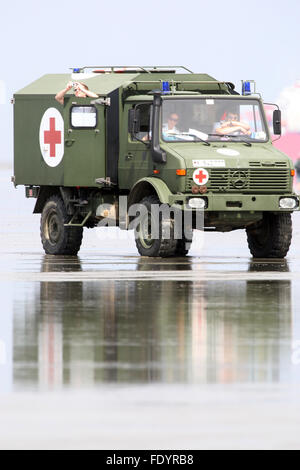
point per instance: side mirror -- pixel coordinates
(277, 122)
(134, 122)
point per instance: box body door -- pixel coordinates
(85, 135)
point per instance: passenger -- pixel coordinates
(232, 125)
(80, 91)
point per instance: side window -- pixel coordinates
(83, 117)
(143, 130)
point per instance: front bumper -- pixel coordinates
(236, 202)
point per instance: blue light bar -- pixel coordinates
(246, 88)
(166, 87)
(76, 70)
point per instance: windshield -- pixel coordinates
(212, 120)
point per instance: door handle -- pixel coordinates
(69, 142)
(129, 156)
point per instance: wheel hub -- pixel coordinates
(145, 232)
(53, 228)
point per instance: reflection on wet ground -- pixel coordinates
(87, 333)
(90, 267)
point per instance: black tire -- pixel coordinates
(183, 246)
(271, 237)
(56, 238)
(165, 245)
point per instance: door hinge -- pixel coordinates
(13, 101)
(106, 182)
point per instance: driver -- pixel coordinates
(169, 127)
(231, 125)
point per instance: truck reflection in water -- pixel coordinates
(82, 334)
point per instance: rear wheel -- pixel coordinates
(164, 244)
(271, 237)
(56, 238)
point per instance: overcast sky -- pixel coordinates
(230, 40)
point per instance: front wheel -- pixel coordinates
(184, 244)
(271, 237)
(163, 243)
(56, 238)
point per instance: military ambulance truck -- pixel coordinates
(155, 137)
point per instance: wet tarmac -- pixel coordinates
(111, 350)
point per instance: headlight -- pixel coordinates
(197, 203)
(288, 203)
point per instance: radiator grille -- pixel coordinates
(245, 180)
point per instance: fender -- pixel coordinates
(46, 191)
(147, 186)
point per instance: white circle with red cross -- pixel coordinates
(200, 176)
(52, 137)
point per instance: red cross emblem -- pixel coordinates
(200, 176)
(52, 137)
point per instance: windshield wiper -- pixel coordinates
(192, 135)
(246, 142)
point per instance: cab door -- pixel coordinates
(84, 158)
(135, 156)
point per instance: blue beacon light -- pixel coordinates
(247, 88)
(166, 87)
(76, 70)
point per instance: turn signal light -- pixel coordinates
(293, 172)
(181, 172)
